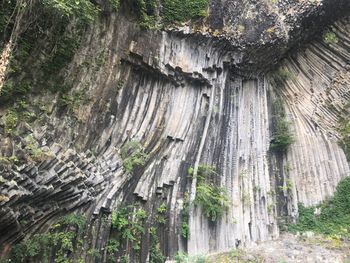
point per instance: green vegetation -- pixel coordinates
(57, 243)
(185, 217)
(330, 37)
(344, 141)
(172, 11)
(175, 11)
(50, 27)
(287, 187)
(115, 4)
(73, 101)
(53, 37)
(234, 256)
(281, 75)
(32, 148)
(184, 258)
(161, 212)
(133, 155)
(11, 121)
(129, 223)
(213, 199)
(282, 138)
(156, 255)
(112, 248)
(82, 9)
(334, 218)
(11, 91)
(8, 161)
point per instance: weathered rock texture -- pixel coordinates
(179, 94)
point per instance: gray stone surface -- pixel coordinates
(189, 98)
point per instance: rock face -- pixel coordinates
(198, 94)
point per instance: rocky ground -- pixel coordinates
(291, 249)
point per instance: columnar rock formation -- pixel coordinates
(188, 98)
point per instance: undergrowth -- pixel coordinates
(334, 218)
(330, 37)
(344, 141)
(170, 11)
(128, 221)
(185, 258)
(62, 239)
(133, 155)
(129, 228)
(213, 199)
(282, 137)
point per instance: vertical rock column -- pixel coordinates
(240, 119)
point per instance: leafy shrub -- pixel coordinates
(282, 138)
(112, 248)
(129, 223)
(175, 11)
(11, 91)
(133, 155)
(281, 75)
(334, 218)
(115, 4)
(171, 11)
(185, 230)
(185, 216)
(161, 212)
(57, 243)
(213, 199)
(330, 37)
(11, 121)
(344, 141)
(83, 9)
(156, 254)
(184, 258)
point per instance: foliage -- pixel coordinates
(25, 74)
(175, 11)
(129, 223)
(185, 216)
(73, 101)
(11, 121)
(77, 220)
(344, 141)
(125, 259)
(330, 37)
(282, 138)
(115, 4)
(65, 48)
(161, 211)
(334, 218)
(213, 199)
(6, 10)
(56, 243)
(10, 91)
(204, 171)
(32, 147)
(112, 248)
(282, 75)
(172, 11)
(156, 254)
(133, 155)
(184, 258)
(287, 187)
(46, 46)
(82, 9)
